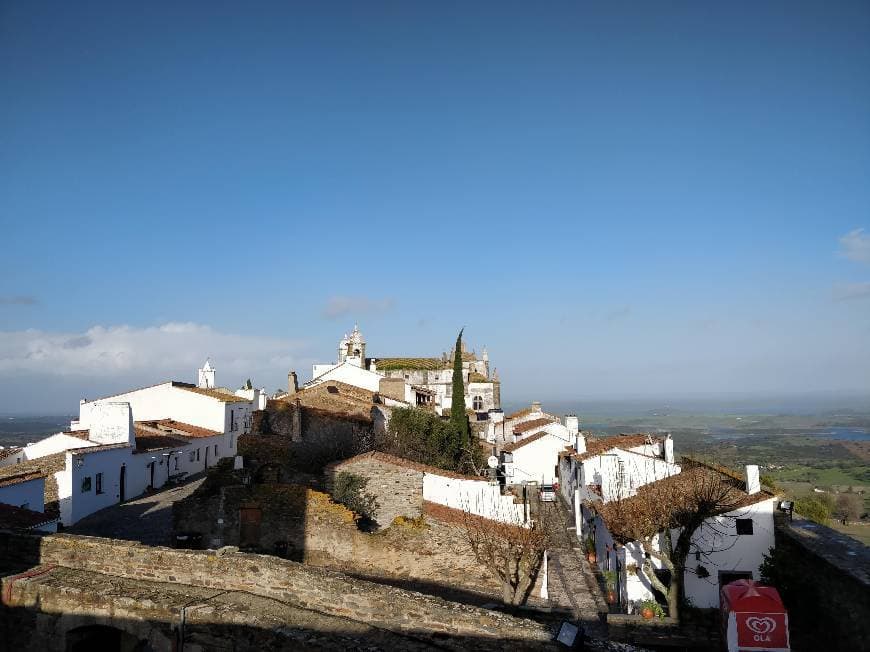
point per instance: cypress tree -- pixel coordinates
(458, 418)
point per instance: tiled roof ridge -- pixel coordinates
(509, 448)
(24, 476)
(525, 426)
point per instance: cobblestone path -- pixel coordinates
(572, 583)
(146, 519)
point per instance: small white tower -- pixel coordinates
(206, 375)
(355, 348)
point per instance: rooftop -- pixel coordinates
(509, 448)
(12, 517)
(412, 364)
(19, 475)
(599, 446)
(526, 426)
(219, 394)
(671, 500)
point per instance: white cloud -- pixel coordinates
(855, 245)
(18, 300)
(341, 306)
(848, 291)
(170, 351)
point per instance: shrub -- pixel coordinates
(816, 508)
(349, 490)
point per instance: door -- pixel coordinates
(149, 475)
(123, 483)
(206, 457)
(249, 527)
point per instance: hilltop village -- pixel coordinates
(387, 503)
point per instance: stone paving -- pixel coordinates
(146, 519)
(571, 583)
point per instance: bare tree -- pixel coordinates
(849, 507)
(513, 552)
(677, 506)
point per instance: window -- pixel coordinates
(192, 456)
(477, 403)
(232, 419)
(197, 454)
(744, 526)
(86, 484)
(215, 450)
(99, 483)
(176, 462)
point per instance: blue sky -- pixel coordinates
(645, 199)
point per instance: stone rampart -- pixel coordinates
(292, 583)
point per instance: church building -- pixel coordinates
(430, 378)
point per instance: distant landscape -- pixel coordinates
(829, 450)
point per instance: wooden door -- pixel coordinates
(249, 527)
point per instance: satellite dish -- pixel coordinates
(492, 461)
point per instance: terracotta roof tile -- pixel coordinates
(6, 452)
(21, 476)
(598, 446)
(21, 518)
(216, 394)
(666, 500)
(532, 425)
(509, 448)
(186, 429)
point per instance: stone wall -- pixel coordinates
(823, 577)
(397, 489)
(317, 531)
(289, 582)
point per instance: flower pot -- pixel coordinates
(611, 596)
(647, 613)
(591, 557)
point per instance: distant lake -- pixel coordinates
(837, 434)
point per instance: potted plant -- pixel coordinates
(610, 578)
(649, 608)
(589, 545)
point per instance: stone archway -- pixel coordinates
(99, 638)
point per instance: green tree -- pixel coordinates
(816, 507)
(458, 417)
(349, 490)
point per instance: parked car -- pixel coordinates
(548, 493)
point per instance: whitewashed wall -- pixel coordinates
(734, 552)
(352, 375)
(48, 446)
(168, 402)
(30, 494)
(536, 461)
(639, 470)
(75, 504)
(724, 550)
(474, 496)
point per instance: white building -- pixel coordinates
(533, 446)
(433, 377)
(22, 503)
(726, 547)
(180, 429)
(613, 467)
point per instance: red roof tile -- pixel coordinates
(532, 425)
(18, 478)
(20, 518)
(509, 448)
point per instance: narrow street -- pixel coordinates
(572, 584)
(146, 519)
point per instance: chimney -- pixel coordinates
(373, 365)
(669, 449)
(753, 483)
(572, 423)
(292, 383)
(536, 406)
(580, 443)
